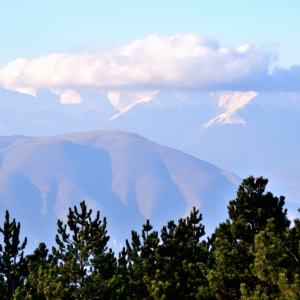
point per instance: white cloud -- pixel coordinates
(156, 62)
(67, 96)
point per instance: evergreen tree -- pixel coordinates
(252, 255)
(142, 260)
(272, 260)
(37, 263)
(183, 266)
(289, 282)
(12, 263)
(84, 264)
(121, 285)
(234, 240)
(172, 269)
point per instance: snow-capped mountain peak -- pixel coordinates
(230, 102)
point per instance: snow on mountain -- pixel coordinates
(45, 114)
(243, 132)
(231, 102)
(266, 139)
(127, 177)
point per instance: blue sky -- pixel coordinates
(30, 29)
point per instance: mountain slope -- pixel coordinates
(125, 176)
(243, 132)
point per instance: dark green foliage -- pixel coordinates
(234, 245)
(142, 256)
(173, 267)
(81, 265)
(185, 260)
(289, 277)
(252, 255)
(269, 261)
(37, 262)
(252, 208)
(12, 263)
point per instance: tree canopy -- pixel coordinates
(254, 254)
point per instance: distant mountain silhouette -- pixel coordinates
(247, 133)
(125, 176)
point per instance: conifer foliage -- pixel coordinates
(12, 263)
(234, 246)
(37, 262)
(254, 254)
(84, 265)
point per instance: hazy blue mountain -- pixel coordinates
(242, 132)
(44, 115)
(127, 177)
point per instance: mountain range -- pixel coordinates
(125, 176)
(242, 132)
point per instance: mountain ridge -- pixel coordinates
(125, 176)
(242, 132)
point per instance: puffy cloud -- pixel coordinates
(182, 62)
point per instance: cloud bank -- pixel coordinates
(185, 61)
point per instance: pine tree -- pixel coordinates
(136, 264)
(84, 264)
(183, 258)
(37, 263)
(142, 260)
(12, 263)
(174, 268)
(289, 282)
(121, 286)
(272, 260)
(234, 240)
